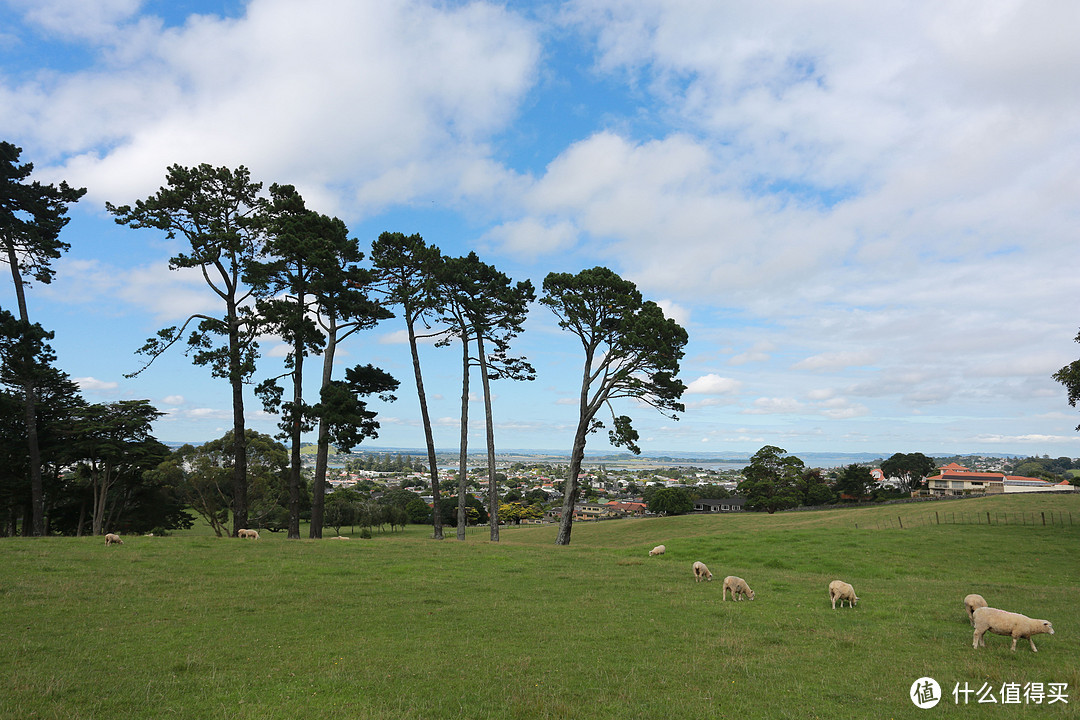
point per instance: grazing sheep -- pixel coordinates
(840, 590)
(245, 533)
(738, 587)
(701, 572)
(658, 550)
(1001, 622)
(971, 603)
(339, 537)
(111, 538)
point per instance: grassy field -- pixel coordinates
(401, 626)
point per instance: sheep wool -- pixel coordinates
(738, 587)
(971, 603)
(1001, 622)
(840, 590)
(658, 550)
(701, 572)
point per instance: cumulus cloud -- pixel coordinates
(93, 385)
(713, 384)
(250, 90)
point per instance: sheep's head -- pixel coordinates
(855, 601)
(1047, 628)
(751, 595)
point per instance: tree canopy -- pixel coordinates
(631, 352)
(769, 481)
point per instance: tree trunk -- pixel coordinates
(37, 493)
(489, 425)
(570, 495)
(463, 437)
(236, 379)
(436, 517)
(298, 400)
(577, 455)
(322, 452)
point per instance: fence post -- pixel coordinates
(900, 521)
(1043, 513)
(937, 518)
(987, 517)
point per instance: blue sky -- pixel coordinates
(865, 214)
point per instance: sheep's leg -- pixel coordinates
(834, 602)
(977, 639)
(1015, 638)
(1033, 648)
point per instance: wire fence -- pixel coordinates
(1043, 518)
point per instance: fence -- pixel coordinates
(1046, 518)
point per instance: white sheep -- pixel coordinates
(340, 537)
(245, 533)
(111, 538)
(971, 603)
(1001, 622)
(738, 587)
(658, 550)
(840, 590)
(701, 572)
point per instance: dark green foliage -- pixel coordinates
(770, 479)
(114, 449)
(31, 218)
(217, 211)
(631, 352)
(398, 497)
(406, 269)
(910, 468)
(671, 501)
(418, 511)
(854, 481)
(475, 511)
(812, 489)
(204, 478)
(1069, 376)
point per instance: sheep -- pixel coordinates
(701, 572)
(1001, 622)
(738, 587)
(111, 538)
(658, 550)
(245, 533)
(971, 603)
(340, 537)
(840, 590)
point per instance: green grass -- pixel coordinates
(194, 626)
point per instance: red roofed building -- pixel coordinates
(955, 479)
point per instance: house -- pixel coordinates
(592, 511)
(955, 479)
(627, 508)
(704, 505)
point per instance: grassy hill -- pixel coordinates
(192, 626)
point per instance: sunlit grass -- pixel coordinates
(194, 626)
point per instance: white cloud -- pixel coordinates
(833, 361)
(758, 353)
(773, 406)
(79, 18)
(173, 400)
(387, 85)
(90, 384)
(713, 384)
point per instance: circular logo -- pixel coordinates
(925, 693)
